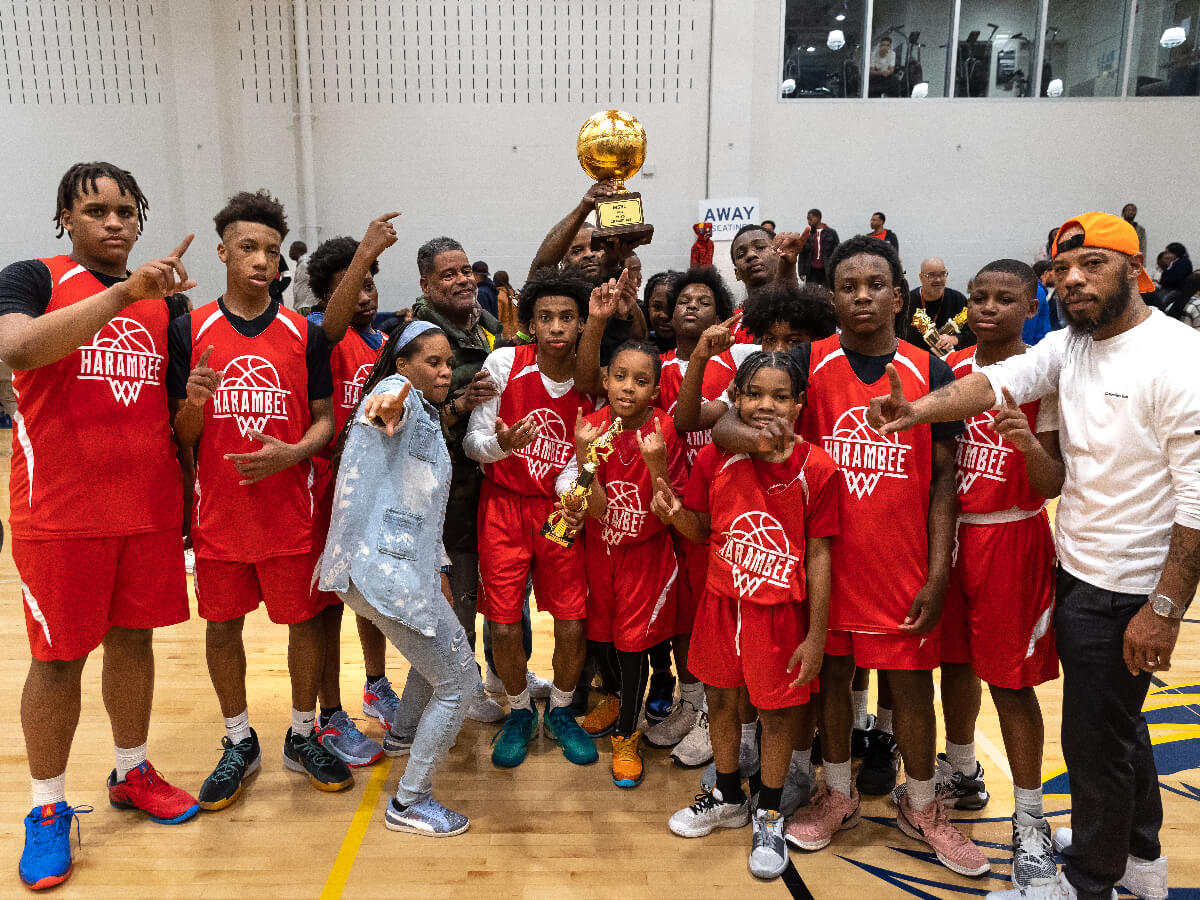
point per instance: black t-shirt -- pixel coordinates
(25, 288)
(870, 369)
(179, 352)
(951, 304)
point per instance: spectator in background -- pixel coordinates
(1129, 214)
(506, 305)
(396, 320)
(485, 292)
(878, 231)
(1176, 266)
(1043, 252)
(768, 225)
(300, 297)
(940, 303)
(1046, 289)
(658, 316)
(882, 81)
(1039, 325)
(819, 243)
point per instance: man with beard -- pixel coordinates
(1128, 534)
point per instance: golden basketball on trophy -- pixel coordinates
(612, 145)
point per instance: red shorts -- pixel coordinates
(75, 589)
(906, 652)
(511, 548)
(693, 561)
(631, 591)
(751, 647)
(999, 612)
(323, 485)
(228, 590)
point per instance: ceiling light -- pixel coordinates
(840, 17)
(788, 86)
(836, 40)
(1173, 37)
(811, 49)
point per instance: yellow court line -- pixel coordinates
(335, 884)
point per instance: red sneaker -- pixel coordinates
(144, 789)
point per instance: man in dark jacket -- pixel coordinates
(486, 295)
(819, 243)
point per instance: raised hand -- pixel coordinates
(160, 277)
(779, 434)
(1010, 423)
(202, 381)
(380, 235)
(274, 456)
(518, 436)
(479, 389)
(652, 447)
(604, 300)
(787, 245)
(585, 434)
(626, 292)
(387, 409)
(664, 503)
(601, 190)
(716, 339)
(892, 412)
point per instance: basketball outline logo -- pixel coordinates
(550, 449)
(862, 454)
(625, 500)
(250, 394)
(981, 453)
(757, 550)
(352, 389)
(123, 354)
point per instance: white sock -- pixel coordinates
(920, 793)
(1028, 801)
(128, 759)
(883, 719)
(560, 698)
(238, 728)
(802, 759)
(837, 777)
(861, 716)
(48, 791)
(520, 701)
(962, 758)
(302, 722)
(693, 693)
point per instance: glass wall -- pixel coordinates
(822, 48)
(909, 40)
(1166, 54)
(997, 48)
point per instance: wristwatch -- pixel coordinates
(1164, 606)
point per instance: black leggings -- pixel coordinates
(635, 670)
(604, 659)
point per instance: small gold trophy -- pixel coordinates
(612, 144)
(931, 333)
(555, 528)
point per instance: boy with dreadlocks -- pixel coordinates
(85, 335)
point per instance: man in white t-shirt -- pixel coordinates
(1127, 534)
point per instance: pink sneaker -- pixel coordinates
(931, 825)
(813, 826)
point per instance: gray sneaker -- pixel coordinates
(1032, 851)
(768, 851)
(426, 817)
(797, 788)
(341, 737)
(396, 744)
(380, 702)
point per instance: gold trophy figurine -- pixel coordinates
(612, 144)
(555, 527)
(931, 333)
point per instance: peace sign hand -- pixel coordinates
(387, 410)
(892, 413)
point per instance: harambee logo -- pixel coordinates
(123, 354)
(625, 515)
(250, 394)
(694, 442)
(863, 454)
(550, 449)
(757, 550)
(352, 389)
(981, 453)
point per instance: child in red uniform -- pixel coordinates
(998, 620)
(632, 573)
(771, 515)
(522, 437)
(268, 387)
(94, 498)
(885, 605)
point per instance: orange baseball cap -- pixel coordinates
(1108, 232)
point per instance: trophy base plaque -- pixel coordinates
(620, 218)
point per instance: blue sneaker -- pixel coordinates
(341, 737)
(425, 817)
(577, 745)
(511, 742)
(46, 859)
(380, 702)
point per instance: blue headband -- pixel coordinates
(412, 331)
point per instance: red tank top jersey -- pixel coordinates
(989, 471)
(532, 470)
(92, 451)
(761, 514)
(264, 389)
(718, 375)
(881, 557)
(626, 479)
(351, 362)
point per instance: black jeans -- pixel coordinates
(1116, 810)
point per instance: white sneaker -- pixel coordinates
(674, 728)
(1032, 854)
(695, 750)
(1143, 878)
(797, 789)
(189, 561)
(483, 708)
(492, 683)
(768, 853)
(539, 688)
(1058, 889)
(707, 814)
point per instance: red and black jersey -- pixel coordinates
(718, 375)
(351, 362)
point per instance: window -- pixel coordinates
(822, 48)
(997, 46)
(1166, 54)
(1085, 48)
(913, 35)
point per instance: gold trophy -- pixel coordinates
(555, 527)
(612, 144)
(931, 333)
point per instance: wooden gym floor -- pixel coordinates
(547, 829)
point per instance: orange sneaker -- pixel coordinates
(627, 767)
(603, 717)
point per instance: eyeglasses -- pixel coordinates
(934, 276)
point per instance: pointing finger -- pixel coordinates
(894, 378)
(183, 245)
(1008, 399)
(203, 361)
(388, 217)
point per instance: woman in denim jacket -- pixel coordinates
(384, 555)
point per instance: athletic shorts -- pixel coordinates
(323, 485)
(750, 647)
(906, 652)
(75, 589)
(632, 591)
(228, 590)
(511, 549)
(693, 563)
(999, 612)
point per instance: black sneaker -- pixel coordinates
(959, 791)
(878, 773)
(324, 770)
(238, 762)
(858, 739)
(661, 698)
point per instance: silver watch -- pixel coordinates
(1166, 607)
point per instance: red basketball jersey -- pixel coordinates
(990, 471)
(718, 375)
(533, 469)
(264, 389)
(626, 479)
(881, 556)
(761, 514)
(92, 449)
(351, 362)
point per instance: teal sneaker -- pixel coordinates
(577, 745)
(510, 743)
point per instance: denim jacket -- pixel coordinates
(388, 509)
